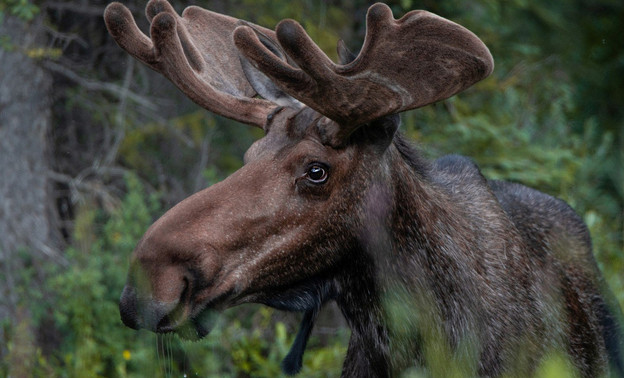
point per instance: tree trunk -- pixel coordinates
(26, 204)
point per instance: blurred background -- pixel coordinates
(94, 146)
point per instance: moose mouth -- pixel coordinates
(187, 322)
(193, 329)
(146, 313)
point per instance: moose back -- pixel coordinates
(333, 204)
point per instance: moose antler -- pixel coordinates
(196, 53)
(404, 64)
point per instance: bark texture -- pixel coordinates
(26, 203)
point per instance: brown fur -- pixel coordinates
(431, 264)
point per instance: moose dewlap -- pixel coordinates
(333, 204)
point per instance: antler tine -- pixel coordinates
(124, 30)
(248, 42)
(404, 64)
(196, 53)
(302, 49)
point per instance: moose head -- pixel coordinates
(332, 203)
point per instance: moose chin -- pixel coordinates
(334, 204)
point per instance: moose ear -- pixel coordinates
(259, 81)
(378, 133)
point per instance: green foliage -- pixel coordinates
(23, 9)
(557, 366)
(257, 352)
(177, 145)
(94, 340)
(323, 23)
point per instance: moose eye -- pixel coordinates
(317, 174)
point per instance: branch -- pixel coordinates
(67, 38)
(203, 162)
(89, 10)
(93, 85)
(119, 119)
(52, 253)
(78, 183)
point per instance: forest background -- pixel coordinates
(94, 146)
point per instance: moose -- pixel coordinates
(334, 204)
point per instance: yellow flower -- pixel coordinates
(116, 237)
(126, 355)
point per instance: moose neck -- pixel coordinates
(402, 244)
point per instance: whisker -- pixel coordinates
(170, 354)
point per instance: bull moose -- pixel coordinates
(334, 204)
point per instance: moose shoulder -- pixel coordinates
(334, 204)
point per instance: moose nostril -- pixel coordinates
(128, 308)
(147, 313)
